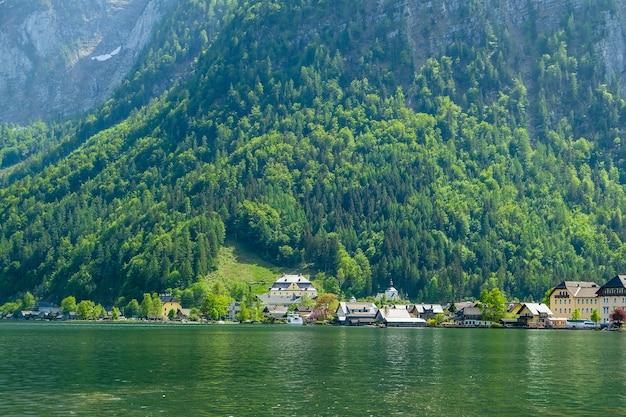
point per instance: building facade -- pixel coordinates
(571, 295)
(293, 286)
(612, 295)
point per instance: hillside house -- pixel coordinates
(294, 286)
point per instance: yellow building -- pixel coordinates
(170, 303)
(293, 286)
(535, 314)
(571, 295)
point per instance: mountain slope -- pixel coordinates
(370, 141)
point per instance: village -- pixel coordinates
(572, 304)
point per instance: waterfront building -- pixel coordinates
(398, 316)
(611, 295)
(571, 295)
(356, 313)
(534, 315)
(170, 303)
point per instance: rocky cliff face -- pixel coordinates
(59, 58)
(434, 24)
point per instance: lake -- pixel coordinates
(107, 369)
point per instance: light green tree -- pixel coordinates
(146, 306)
(132, 309)
(28, 302)
(215, 306)
(157, 306)
(244, 314)
(115, 313)
(595, 316)
(546, 297)
(492, 304)
(576, 314)
(68, 304)
(85, 310)
(99, 311)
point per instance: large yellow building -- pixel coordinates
(571, 295)
(293, 286)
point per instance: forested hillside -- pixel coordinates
(319, 134)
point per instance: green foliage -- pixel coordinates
(11, 307)
(86, 310)
(576, 314)
(28, 302)
(595, 316)
(132, 309)
(339, 152)
(68, 304)
(325, 307)
(215, 306)
(492, 304)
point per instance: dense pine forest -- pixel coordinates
(318, 134)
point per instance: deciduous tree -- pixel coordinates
(618, 316)
(68, 304)
(595, 316)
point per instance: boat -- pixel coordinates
(294, 319)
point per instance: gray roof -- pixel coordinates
(537, 308)
(422, 308)
(617, 281)
(279, 299)
(579, 289)
(286, 280)
(470, 311)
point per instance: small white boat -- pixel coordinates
(294, 319)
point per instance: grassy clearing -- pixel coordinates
(238, 263)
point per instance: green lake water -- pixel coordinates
(65, 369)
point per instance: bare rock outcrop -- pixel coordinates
(59, 58)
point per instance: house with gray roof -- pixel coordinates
(293, 285)
(356, 313)
(534, 315)
(425, 311)
(398, 316)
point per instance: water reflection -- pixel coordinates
(131, 370)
